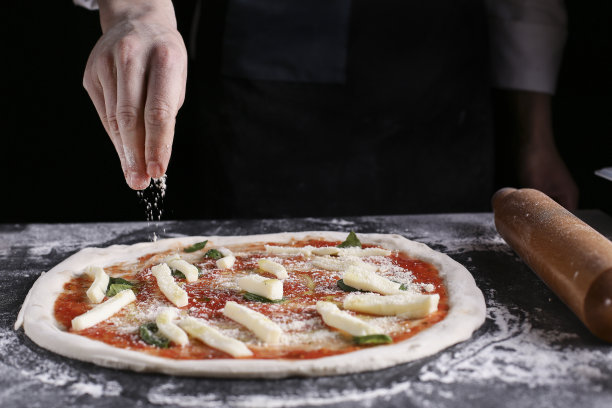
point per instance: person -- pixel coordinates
(335, 107)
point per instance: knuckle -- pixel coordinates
(87, 83)
(127, 118)
(165, 55)
(104, 64)
(126, 50)
(158, 115)
(113, 125)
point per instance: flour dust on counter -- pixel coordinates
(23, 369)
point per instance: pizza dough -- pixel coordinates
(466, 313)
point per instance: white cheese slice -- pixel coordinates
(226, 262)
(340, 263)
(214, 338)
(264, 328)
(225, 251)
(409, 305)
(331, 250)
(274, 268)
(104, 310)
(334, 317)
(362, 252)
(262, 286)
(173, 292)
(328, 263)
(171, 258)
(364, 279)
(167, 328)
(97, 290)
(281, 250)
(190, 271)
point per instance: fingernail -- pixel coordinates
(154, 169)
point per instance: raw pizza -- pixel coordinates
(309, 303)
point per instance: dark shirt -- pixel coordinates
(343, 108)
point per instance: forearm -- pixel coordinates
(531, 116)
(114, 11)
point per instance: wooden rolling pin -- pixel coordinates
(573, 259)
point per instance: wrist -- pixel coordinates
(113, 12)
(531, 118)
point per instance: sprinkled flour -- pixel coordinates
(153, 198)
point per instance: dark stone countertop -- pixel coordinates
(531, 352)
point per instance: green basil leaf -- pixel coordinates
(116, 285)
(372, 339)
(116, 288)
(148, 334)
(196, 246)
(403, 287)
(121, 281)
(213, 253)
(350, 241)
(256, 298)
(346, 287)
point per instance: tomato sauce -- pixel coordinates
(207, 298)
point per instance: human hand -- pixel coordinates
(136, 76)
(525, 122)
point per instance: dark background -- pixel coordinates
(58, 165)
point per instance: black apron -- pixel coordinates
(339, 107)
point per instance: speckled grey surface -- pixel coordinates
(531, 352)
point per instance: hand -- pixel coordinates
(136, 76)
(527, 123)
(543, 168)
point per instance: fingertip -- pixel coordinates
(137, 181)
(155, 169)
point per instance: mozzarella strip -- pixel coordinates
(328, 263)
(281, 250)
(334, 317)
(225, 251)
(274, 268)
(190, 271)
(97, 290)
(364, 279)
(167, 328)
(226, 262)
(340, 264)
(331, 250)
(104, 310)
(214, 338)
(361, 252)
(173, 292)
(262, 286)
(264, 328)
(410, 305)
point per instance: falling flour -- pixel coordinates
(152, 199)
